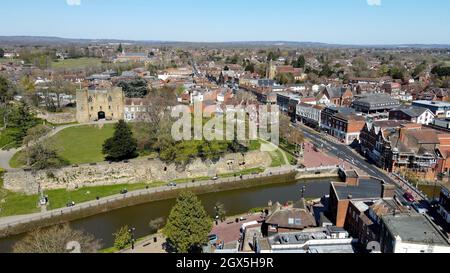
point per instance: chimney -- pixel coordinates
(388, 190)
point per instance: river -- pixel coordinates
(236, 202)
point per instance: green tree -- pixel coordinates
(122, 145)
(188, 224)
(136, 88)
(2, 53)
(120, 48)
(122, 238)
(6, 93)
(300, 63)
(21, 119)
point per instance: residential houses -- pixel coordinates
(337, 96)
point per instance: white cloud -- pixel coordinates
(73, 2)
(374, 2)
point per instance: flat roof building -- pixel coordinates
(412, 233)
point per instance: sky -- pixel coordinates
(327, 21)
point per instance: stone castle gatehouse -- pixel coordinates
(94, 105)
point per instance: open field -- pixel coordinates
(82, 144)
(80, 63)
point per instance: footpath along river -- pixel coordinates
(236, 202)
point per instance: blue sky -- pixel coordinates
(330, 21)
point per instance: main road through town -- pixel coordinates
(345, 153)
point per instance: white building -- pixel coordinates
(135, 109)
(309, 114)
(411, 233)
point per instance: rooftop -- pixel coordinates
(367, 188)
(415, 228)
(431, 103)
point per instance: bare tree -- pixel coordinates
(57, 239)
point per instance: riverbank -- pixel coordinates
(23, 224)
(103, 226)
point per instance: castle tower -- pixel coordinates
(94, 105)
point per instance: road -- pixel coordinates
(347, 154)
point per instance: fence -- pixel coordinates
(318, 169)
(138, 193)
(409, 186)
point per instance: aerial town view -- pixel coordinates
(224, 127)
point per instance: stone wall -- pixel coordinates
(58, 118)
(136, 171)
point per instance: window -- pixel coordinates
(90, 99)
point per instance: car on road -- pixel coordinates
(419, 208)
(71, 204)
(215, 178)
(124, 191)
(409, 197)
(172, 184)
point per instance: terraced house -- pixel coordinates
(342, 123)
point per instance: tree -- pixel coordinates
(291, 134)
(35, 133)
(2, 53)
(122, 145)
(188, 224)
(397, 73)
(120, 48)
(300, 63)
(220, 211)
(56, 240)
(58, 86)
(6, 92)
(122, 238)
(136, 88)
(441, 71)
(43, 156)
(156, 224)
(21, 119)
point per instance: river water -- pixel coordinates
(236, 202)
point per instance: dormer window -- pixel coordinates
(90, 99)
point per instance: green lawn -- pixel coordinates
(14, 203)
(244, 172)
(60, 198)
(6, 138)
(80, 63)
(82, 144)
(254, 145)
(277, 159)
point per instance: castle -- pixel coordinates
(94, 105)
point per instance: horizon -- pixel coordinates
(219, 42)
(349, 22)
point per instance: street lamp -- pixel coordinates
(132, 231)
(303, 190)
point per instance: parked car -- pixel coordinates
(124, 191)
(172, 184)
(215, 178)
(409, 197)
(71, 204)
(213, 238)
(419, 208)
